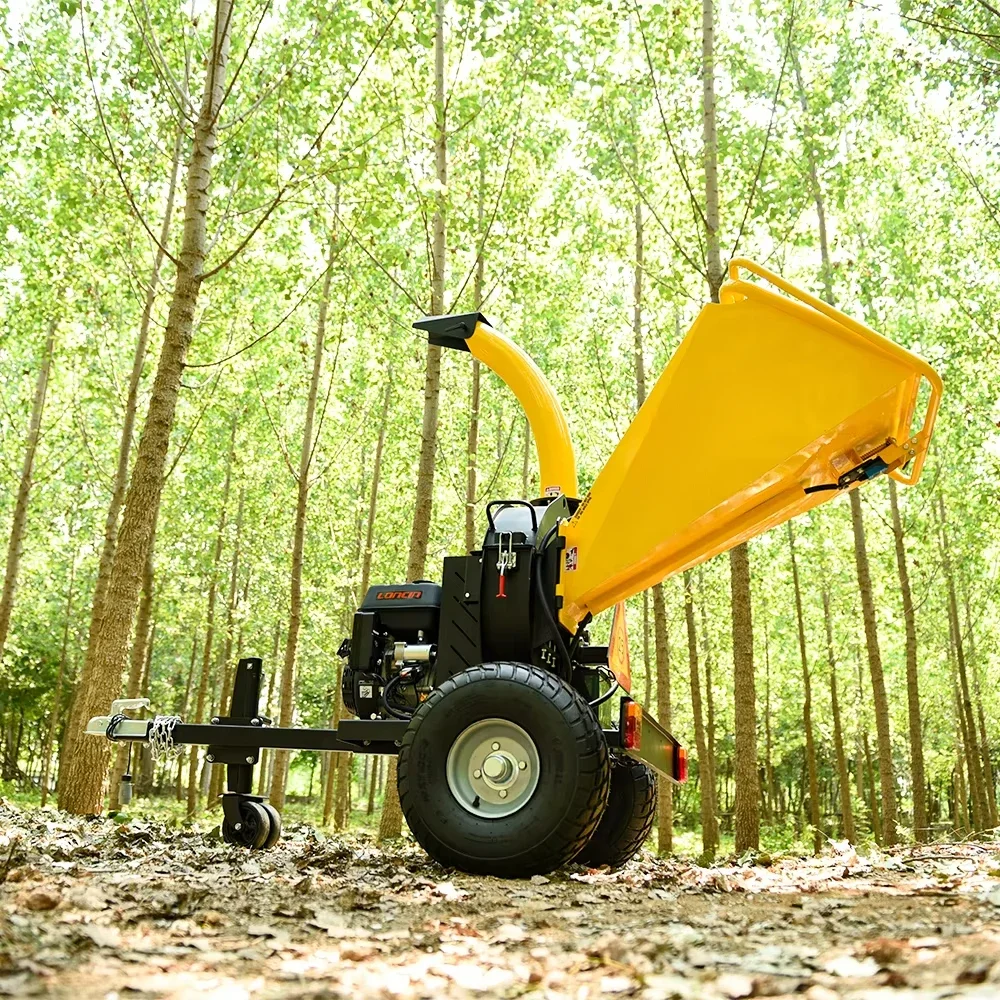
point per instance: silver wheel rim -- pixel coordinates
(493, 768)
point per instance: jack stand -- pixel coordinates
(248, 820)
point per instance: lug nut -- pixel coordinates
(496, 746)
(523, 765)
(503, 793)
(477, 773)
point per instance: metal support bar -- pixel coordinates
(353, 736)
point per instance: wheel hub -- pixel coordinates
(493, 768)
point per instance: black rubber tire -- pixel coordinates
(565, 808)
(275, 833)
(255, 827)
(628, 818)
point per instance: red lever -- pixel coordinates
(502, 592)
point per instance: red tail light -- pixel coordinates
(681, 769)
(632, 736)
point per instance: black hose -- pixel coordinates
(550, 615)
(607, 694)
(395, 712)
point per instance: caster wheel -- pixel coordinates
(503, 771)
(254, 827)
(275, 819)
(628, 818)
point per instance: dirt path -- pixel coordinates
(94, 909)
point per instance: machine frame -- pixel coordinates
(825, 404)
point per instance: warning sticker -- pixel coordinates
(553, 491)
(572, 557)
(619, 657)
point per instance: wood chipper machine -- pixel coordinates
(486, 684)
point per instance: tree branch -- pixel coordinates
(111, 148)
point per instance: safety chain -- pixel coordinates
(161, 736)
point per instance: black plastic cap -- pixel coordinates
(451, 331)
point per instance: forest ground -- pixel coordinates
(96, 908)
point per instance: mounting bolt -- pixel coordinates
(210, 757)
(250, 760)
(237, 826)
(496, 746)
(215, 720)
(467, 594)
(522, 764)
(255, 721)
(503, 793)
(477, 773)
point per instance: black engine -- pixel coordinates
(392, 650)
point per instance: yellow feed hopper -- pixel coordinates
(770, 406)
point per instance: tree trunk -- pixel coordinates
(746, 806)
(182, 712)
(881, 702)
(206, 656)
(263, 777)
(420, 532)
(120, 481)
(136, 661)
(709, 836)
(768, 763)
(976, 803)
(287, 689)
(817, 191)
(343, 771)
(873, 804)
(647, 665)
(846, 810)
(984, 742)
(366, 564)
(225, 668)
(980, 807)
(144, 784)
(921, 830)
(526, 461)
(665, 796)
(710, 150)
(15, 543)
(814, 813)
(391, 821)
(86, 775)
(50, 735)
(472, 443)
(710, 743)
(375, 766)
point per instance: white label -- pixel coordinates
(553, 491)
(571, 558)
(366, 691)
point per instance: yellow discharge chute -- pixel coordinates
(767, 409)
